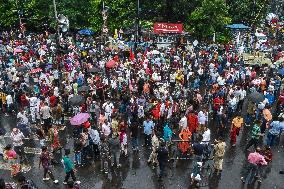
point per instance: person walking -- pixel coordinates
(237, 123)
(134, 136)
(123, 142)
(255, 159)
(68, 167)
(45, 161)
(153, 156)
(162, 156)
(219, 152)
(148, 125)
(255, 135)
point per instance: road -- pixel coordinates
(135, 173)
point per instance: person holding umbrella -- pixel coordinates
(255, 160)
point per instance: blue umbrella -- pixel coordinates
(86, 32)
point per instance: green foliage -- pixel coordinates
(210, 17)
(250, 12)
(200, 17)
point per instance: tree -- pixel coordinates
(249, 12)
(208, 18)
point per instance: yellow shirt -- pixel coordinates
(237, 122)
(3, 97)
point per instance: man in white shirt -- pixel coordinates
(33, 108)
(108, 107)
(183, 123)
(17, 137)
(206, 136)
(9, 101)
(23, 118)
(45, 112)
(106, 128)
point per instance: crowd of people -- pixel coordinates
(163, 97)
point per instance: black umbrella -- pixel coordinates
(76, 100)
(83, 89)
(94, 70)
(256, 97)
(22, 69)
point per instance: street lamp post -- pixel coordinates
(137, 26)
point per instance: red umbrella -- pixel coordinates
(111, 64)
(35, 70)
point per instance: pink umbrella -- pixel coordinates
(18, 51)
(79, 119)
(111, 64)
(256, 159)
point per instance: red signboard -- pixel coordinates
(167, 28)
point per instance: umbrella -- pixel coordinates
(86, 32)
(36, 70)
(76, 100)
(256, 97)
(18, 51)
(256, 159)
(22, 68)
(155, 52)
(83, 89)
(79, 119)
(110, 64)
(94, 70)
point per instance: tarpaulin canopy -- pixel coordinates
(237, 26)
(86, 32)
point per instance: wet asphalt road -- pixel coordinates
(135, 173)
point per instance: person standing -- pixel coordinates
(45, 112)
(275, 128)
(45, 161)
(148, 125)
(68, 167)
(255, 134)
(219, 152)
(162, 156)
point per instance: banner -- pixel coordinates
(167, 28)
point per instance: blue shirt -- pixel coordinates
(276, 127)
(148, 126)
(167, 133)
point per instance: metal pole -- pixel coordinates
(19, 15)
(137, 26)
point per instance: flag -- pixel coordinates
(116, 58)
(131, 55)
(145, 53)
(115, 34)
